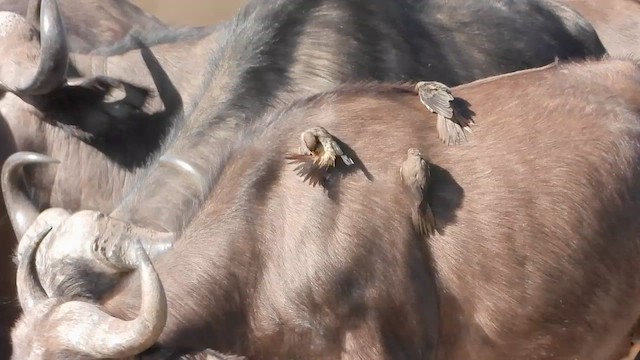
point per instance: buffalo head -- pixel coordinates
(33, 63)
(81, 247)
(68, 323)
(36, 83)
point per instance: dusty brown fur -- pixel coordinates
(537, 218)
(252, 66)
(320, 61)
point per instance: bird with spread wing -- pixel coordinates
(437, 98)
(318, 153)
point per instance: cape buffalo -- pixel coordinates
(534, 256)
(106, 130)
(89, 24)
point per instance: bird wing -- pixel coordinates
(413, 181)
(425, 173)
(345, 158)
(412, 174)
(423, 219)
(422, 215)
(417, 190)
(450, 131)
(437, 101)
(338, 150)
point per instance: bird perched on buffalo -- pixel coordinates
(318, 153)
(416, 175)
(437, 97)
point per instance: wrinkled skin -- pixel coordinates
(534, 256)
(616, 23)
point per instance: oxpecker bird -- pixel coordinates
(415, 175)
(437, 98)
(318, 153)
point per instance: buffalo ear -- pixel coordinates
(94, 107)
(108, 90)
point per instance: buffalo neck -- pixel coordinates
(268, 55)
(246, 74)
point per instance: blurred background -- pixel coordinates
(191, 12)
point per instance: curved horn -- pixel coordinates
(54, 51)
(22, 212)
(116, 239)
(30, 291)
(181, 165)
(113, 337)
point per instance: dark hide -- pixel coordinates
(616, 22)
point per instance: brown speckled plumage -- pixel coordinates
(437, 97)
(415, 175)
(318, 153)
